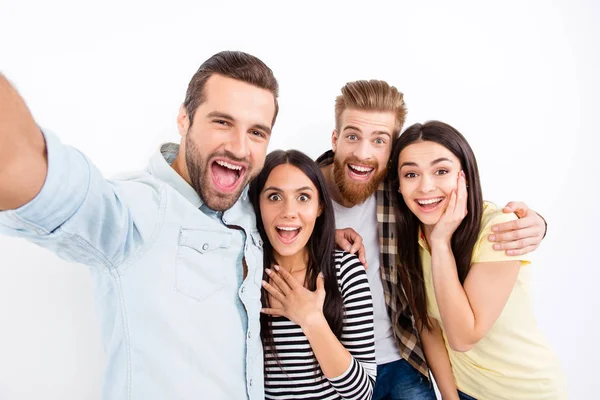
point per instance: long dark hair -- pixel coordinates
(407, 224)
(321, 244)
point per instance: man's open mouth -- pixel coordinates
(360, 172)
(227, 174)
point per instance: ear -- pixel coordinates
(183, 121)
(320, 210)
(334, 139)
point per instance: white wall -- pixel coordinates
(519, 80)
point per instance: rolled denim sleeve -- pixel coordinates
(78, 214)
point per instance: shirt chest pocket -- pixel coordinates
(200, 272)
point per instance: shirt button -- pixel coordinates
(205, 246)
(242, 290)
(249, 335)
(251, 382)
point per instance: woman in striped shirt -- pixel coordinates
(317, 322)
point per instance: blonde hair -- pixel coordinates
(371, 95)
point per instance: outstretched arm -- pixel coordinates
(23, 162)
(52, 195)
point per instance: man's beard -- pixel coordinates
(201, 177)
(353, 192)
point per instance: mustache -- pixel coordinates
(229, 155)
(366, 163)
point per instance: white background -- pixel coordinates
(518, 79)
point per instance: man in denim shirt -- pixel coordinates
(174, 252)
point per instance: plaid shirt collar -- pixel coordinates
(405, 333)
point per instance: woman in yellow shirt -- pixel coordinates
(470, 302)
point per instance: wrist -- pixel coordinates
(450, 396)
(450, 393)
(443, 244)
(314, 323)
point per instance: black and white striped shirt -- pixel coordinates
(299, 376)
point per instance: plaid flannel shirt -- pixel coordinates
(405, 333)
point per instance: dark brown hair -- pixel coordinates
(232, 64)
(407, 224)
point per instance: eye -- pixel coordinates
(410, 175)
(441, 171)
(221, 122)
(379, 141)
(274, 197)
(304, 197)
(258, 134)
(352, 137)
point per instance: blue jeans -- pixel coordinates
(398, 380)
(464, 396)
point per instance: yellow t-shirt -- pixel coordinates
(513, 360)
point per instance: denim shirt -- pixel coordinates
(178, 319)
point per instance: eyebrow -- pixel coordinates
(437, 160)
(352, 127)
(218, 114)
(276, 189)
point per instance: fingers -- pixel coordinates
(273, 291)
(514, 235)
(288, 279)
(510, 225)
(320, 292)
(362, 256)
(524, 250)
(451, 203)
(518, 244)
(357, 243)
(462, 196)
(276, 312)
(342, 242)
(277, 280)
(320, 282)
(513, 206)
(348, 240)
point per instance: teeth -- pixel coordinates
(430, 201)
(288, 228)
(361, 169)
(230, 166)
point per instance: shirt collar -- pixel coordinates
(325, 158)
(422, 241)
(160, 166)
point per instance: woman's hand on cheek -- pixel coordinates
(455, 212)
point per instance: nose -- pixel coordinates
(238, 143)
(362, 151)
(426, 184)
(290, 210)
